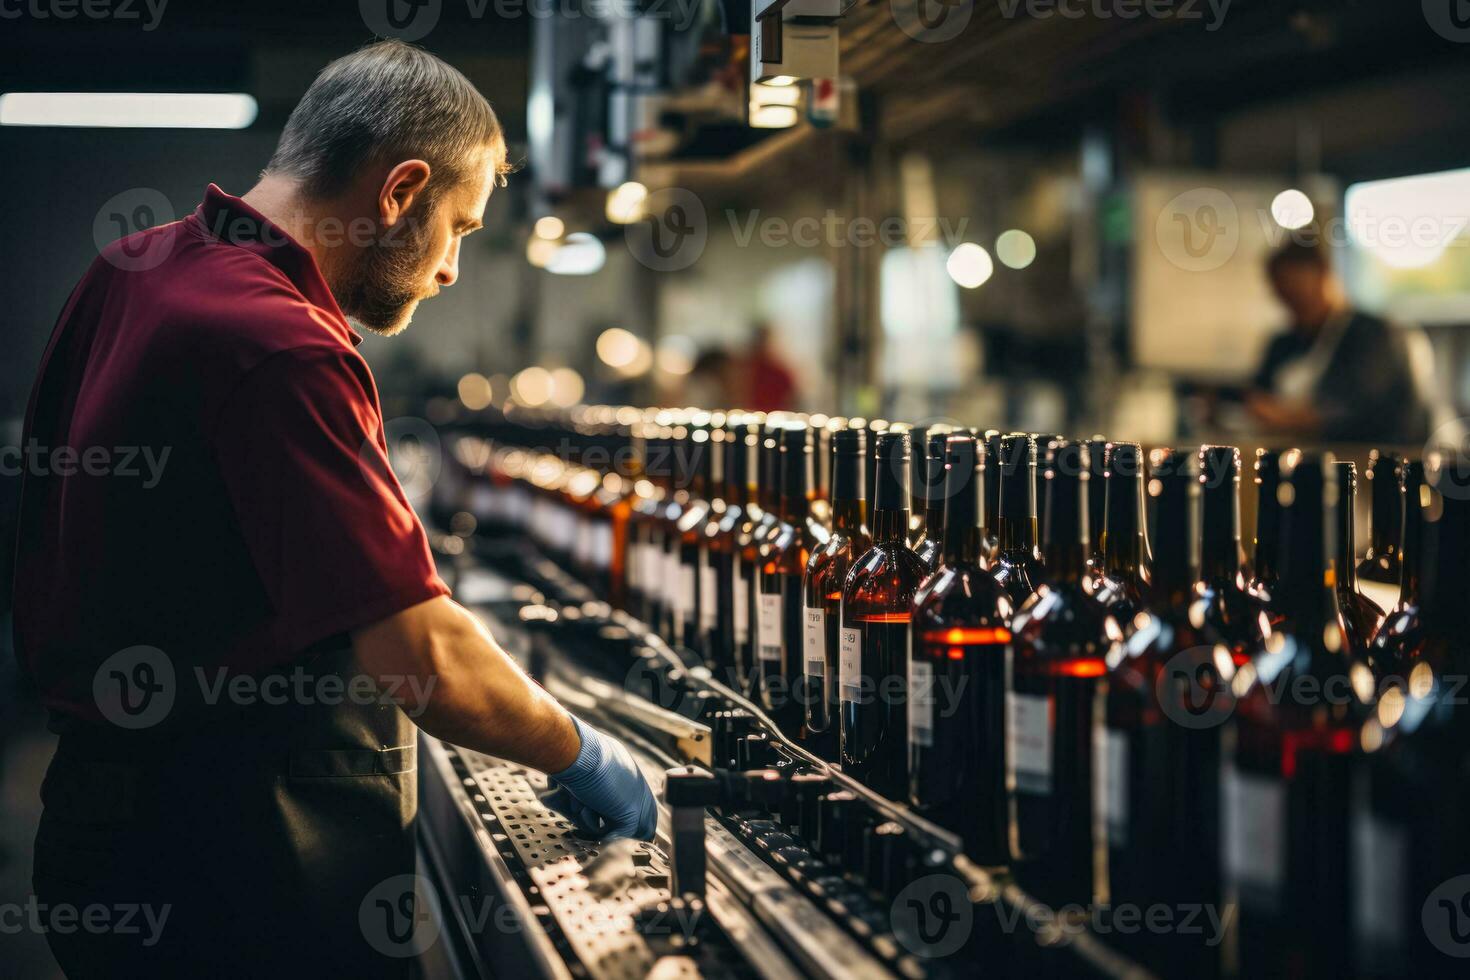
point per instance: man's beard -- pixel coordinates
(381, 287)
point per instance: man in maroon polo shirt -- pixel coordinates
(224, 597)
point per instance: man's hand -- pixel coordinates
(603, 792)
(475, 695)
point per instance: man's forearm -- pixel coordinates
(475, 695)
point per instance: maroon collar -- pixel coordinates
(229, 219)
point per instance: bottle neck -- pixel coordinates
(1066, 547)
(934, 502)
(1387, 503)
(1176, 552)
(849, 504)
(1345, 564)
(1411, 556)
(1221, 556)
(1124, 546)
(1267, 553)
(961, 510)
(891, 526)
(1443, 608)
(1305, 592)
(1017, 505)
(849, 516)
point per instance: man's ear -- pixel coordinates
(404, 183)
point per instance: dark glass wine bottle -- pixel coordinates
(992, 492)
(930, 543)
(1411, 800)
(1017, 563)
(918, 482)
(1392, 649)
(724, 548)
(694, 473)
(826, 571)
(877, 609)
(780, 674)
(1266, 552)
(1060, 636)
(956, 671)
(1164, 699)
(1361, 614)
(1223, 609)
(1126, 573)
(1381, 562)
(1291, 751)
(756, 523)
(1096, 449)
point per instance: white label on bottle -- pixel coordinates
(814, 641)
(768, 628)
(669, 576)
(1255, 837)
(1110, 782)
(742, 605)
(921, 702)
(709, 598)
(1380, 857)
(1029, 741)
(687, 584)
(850, 663)
(602, 546)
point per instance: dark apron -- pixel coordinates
(252, 841)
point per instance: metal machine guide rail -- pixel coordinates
(778, 865)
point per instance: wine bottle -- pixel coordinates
(710, 544)
(1096, 449)
(826, 571)
(1381, 562)
(918, 481)
(1361, 614)
(1392, 649)
(992, 493)
(1125, 568)
(757, 521)
(1411, 802)
(1223, 609)
(724, 550)
(1266, 553)
(694, 445)
(877, 610)
(780, 675)
(956, 680)
(1163, 700)
(1042, 440)
(1060, 635)
(930, 542)
(1017, 563)
(1291, 750)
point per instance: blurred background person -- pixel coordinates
(1338, 374)
(769, 384)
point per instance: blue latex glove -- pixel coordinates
(603, 792)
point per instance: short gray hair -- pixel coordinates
(387, 102)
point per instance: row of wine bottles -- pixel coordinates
(1058, 650)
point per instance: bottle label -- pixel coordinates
(921, 702)
(602, 546)
(742, 605)
(687, 584)
(1254, 837)
(1029, 741)
(1380, 858)
(850, 663)
(814, 641)
(709, 600)
(1110, 783)
(769, 628)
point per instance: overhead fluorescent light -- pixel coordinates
(130, 110)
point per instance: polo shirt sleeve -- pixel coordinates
(299, 444)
